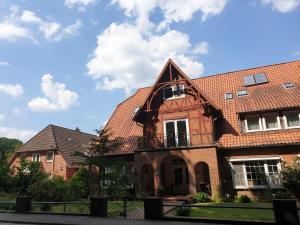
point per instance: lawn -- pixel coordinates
(114, 207)
(235, 213)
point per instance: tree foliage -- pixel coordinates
(26, 174)
(106, 171)
(5, 176)
(290, 176)
(9, 146)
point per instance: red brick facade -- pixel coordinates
(216, 155)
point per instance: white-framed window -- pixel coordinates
(176, 133)
(256, 173)
(173, 92)
(271, 121)
(49, 156)
(36, 157)
(253, 123)
(292, 119)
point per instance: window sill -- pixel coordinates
(49, 161)
(257, 187)
(174, 98)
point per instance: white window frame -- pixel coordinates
(173, 89)
(285, 120)
(264, 122)
(47, 156)
(247, 186)
(176, 131)
(259, 121)
(35, 155)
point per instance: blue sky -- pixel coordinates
(70, 62)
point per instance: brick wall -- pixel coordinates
(286, 153)
(57, 167)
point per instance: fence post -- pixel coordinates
(285, 211)
(98, 207)
(23, 204)
(153, 208)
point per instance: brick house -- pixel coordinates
(54, 147)
(228, 132)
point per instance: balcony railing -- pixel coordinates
(175, 141)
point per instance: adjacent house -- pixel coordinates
(227, 132)
(55, 148)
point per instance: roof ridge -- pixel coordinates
(250, 68)
(233, 71)
(35, 136)
(52, 125)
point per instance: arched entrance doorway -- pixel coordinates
(202, 178)
(147, 179)
(174, 176)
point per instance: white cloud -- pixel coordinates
(2, 117)
(127, 59)
(3, 63)
(11, 32)
(283, 6)
(201, 48)
(27, 24)
(57, 97)
(81, 4)
(71, 30)
(49, 29)
(172, 10)
(14, 90)
(12, 132)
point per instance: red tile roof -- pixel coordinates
(263, 97)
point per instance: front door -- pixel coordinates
(181, 180)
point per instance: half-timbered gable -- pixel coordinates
(175, 113)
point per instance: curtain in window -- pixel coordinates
(253, 123)
(292, 119)
(271, 121)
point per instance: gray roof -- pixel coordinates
(65, 141)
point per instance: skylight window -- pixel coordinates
(242, 92)
(288, 85)
(259, 78)
(228, 96)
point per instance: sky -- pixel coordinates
(71, 62)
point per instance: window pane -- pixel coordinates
(170, 134)
(182, 133)
(168, 92)
(249, 80)
(178, 90)
(256, 174)
(228, 96)
(292, 119)
(260, 78)
(288, 85)
(274, 178)
(239, 175)
(253, 123)
(49, 156)
(242, 92)
(271, 122)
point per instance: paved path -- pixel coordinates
(79, 220)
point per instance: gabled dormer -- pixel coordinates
(176, 113)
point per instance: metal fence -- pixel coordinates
(221, 212)
(125, 208)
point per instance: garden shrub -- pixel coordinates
(290, 176)
(244, 199)
(201, 197)
(183, 211)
